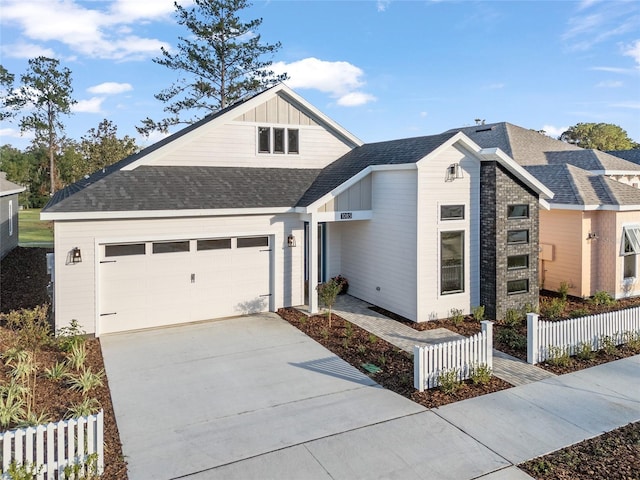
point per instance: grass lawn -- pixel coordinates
(32, 229)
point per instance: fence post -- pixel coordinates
(418, 368)
(487, 326)
(532, 338)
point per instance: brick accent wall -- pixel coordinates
(498, 190)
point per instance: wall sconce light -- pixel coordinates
(453, 171)
(76, 255)
(592, 236)
(291, 240)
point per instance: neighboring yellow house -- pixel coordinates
(590, 235)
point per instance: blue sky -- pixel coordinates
(381, 69)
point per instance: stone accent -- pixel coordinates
(498, 190)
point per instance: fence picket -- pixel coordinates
(592, 329)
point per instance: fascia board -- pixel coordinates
(164, 213)
(353, 180)
(588, 208)
(6, 193)
(633, 173)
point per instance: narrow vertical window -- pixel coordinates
(264, 139)
(278, 140)
(293, 141)
(10, 217)
(451, 262)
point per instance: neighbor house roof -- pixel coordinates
(629, 155)
(393, 152)
(190, 188)
(575, 186)
(9, 188)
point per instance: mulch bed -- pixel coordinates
(358, 347)
(612, 456)
(23, 280)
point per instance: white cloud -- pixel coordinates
(495, 86)
(110, 88)
(26, 50)
(341, 80)
(633, 51)
(630, 104)
(355, 99)
(382, 5)
(14, 133)
(153, 137)
(91, 105)
(554, 131)
(423, 114)
(610, 84)
(613, 70)
(91, 32)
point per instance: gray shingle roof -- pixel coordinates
(575, 186)
(629, 155)
(394, 152)
(184, 188)
(7, 186)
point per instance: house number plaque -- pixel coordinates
(346, 216)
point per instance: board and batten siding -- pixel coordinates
(357, 197)
(235, 145)
(434, 191)
(77, 285)
(277, 110)
(378, 256)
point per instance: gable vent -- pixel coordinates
(484, 129)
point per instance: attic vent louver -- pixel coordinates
(484, 129)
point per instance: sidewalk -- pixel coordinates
(505, 367)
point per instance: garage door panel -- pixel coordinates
(175, 287)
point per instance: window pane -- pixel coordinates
(171, 247)
(124, 249)
(451, 262)
(518, 211)
(452, 212)
(518, 236)
(293, 141)
(516, 262)
(278, 140)
(253, 242)
(629, 266)
(214, 244)
(264, 139)
(517, 286)
(631, 240)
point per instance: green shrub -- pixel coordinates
(362, 349)
(478, 313)
(512, 339)
(33, 419)
(86, 381)
(327, 294)
(68, 337)
(373, 338)
(56, 372)
(12, 404)
(608, 345)
(77, 356)
(24, 471)
(553, 308)
(602, 298)
(632, 339)
(348, 332)
(529, 308)
(584, 351)
(88, 406)
(579, 312)
(558, 356)
(456, 316)
(563, 290)
(513, 318)
(448, 380)
(481, 374)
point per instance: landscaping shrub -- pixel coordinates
(512, 339)
(513, 318)
(481, 374)
(478, 313)
(602, 299)
(448, 381)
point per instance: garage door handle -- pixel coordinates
(110, 313)
(267, 250)
(267, 295)
(108, 261)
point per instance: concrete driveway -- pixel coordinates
(253, 397)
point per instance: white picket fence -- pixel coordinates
(543, 337)
(52, 447)
(463, 355)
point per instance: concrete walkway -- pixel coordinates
(505, 367)
(255, 398)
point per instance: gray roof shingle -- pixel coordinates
(185, 188)
(629, 155)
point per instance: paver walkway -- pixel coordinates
(356, 311)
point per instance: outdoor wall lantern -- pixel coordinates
(291, 240)
(453, 171)
(592, 236)
(76, 255)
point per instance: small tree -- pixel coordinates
(327, 294)
(601, 136)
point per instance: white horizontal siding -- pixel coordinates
(76, 285)
(234, 145)
(434, 191)
(379, 255)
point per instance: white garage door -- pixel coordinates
(148, 284)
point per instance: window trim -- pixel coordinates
(271, 139)
(462, 278)
(518, 292)
(525, 242)
(510, 215)
(11, 219)
(524, 255)
(630, 240)
(268, 138)
(452, 219)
